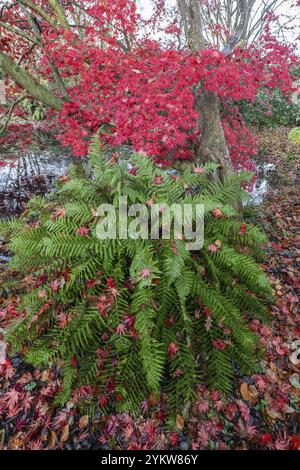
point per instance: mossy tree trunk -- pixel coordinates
(212, 144)
(28, 83)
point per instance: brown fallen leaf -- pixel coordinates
(272, 413)
(153, 399)
(253, 394)
(179, 422)
(242, 428)
(45, 375)
(244, 389)
(17, 442)
(52, 440)
(271, 375)
(2, 438)
(163, 439)
(83, 422)
(65, 434)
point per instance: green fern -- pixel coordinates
(91, 310)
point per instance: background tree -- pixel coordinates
(226, 25)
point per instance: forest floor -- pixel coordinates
(263, 411)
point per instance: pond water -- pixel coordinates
(28, 173)
(266, 177)
(33, 172)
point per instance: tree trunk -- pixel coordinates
(212, 144)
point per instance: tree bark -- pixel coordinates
(191, 17)
(212, 144)
(28, 83)
(40, 11)
(59, 13)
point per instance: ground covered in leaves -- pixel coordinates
(263, 410)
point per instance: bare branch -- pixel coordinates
(39, 11)
(243, 18)
(17, 31)
(26, 53)
(9, 113)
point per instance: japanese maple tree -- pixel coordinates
(168, 85)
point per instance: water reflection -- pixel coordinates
(33, 172)
(266, 177)
(28, 173)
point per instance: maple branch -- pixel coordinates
(242, 21)
(10, 111)
(56, 75)
(59, 13)
(259, 23)
(26, 53)
(7, 7)
(17, 31)
(39, 10)
(30, 84)
(127, 46)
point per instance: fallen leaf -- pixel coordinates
(208, 323)
(272, 413)
(295, 357)
(253, 394)
(295, 380)
(272, 376)
(153, 399)
(65, 434)
(179, 422)
(244, 389)
(52, 440)
(3, 347)
(45, 375)
(2, 438)
(267, 397)
(288, 409)
(84, 421)
(17, 442)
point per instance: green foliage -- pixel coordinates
(271, 108)
(294, 135)
(35, 109)
(137, 317)
(295, 71)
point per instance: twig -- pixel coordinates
(10, 111)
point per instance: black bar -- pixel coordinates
(133, 459)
